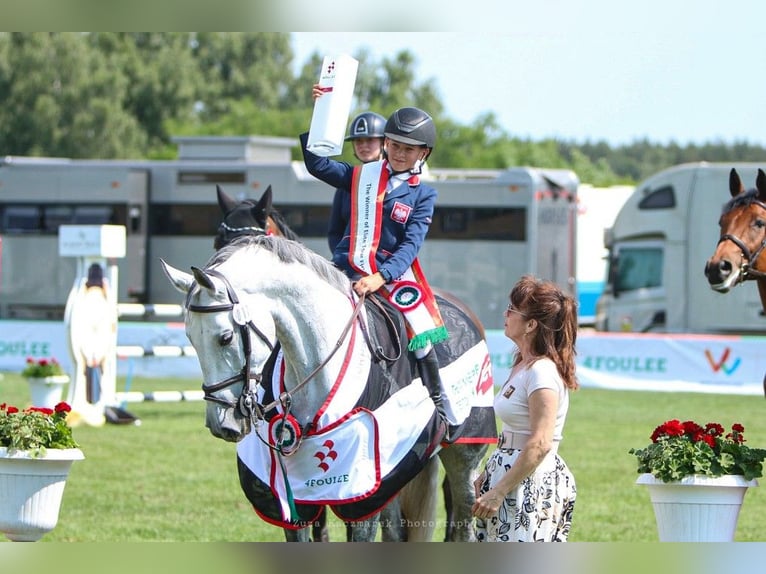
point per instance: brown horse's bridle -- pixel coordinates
(747, 269)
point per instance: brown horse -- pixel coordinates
(740, 255)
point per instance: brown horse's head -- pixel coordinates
(740, 253)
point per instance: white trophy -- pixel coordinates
(330, 116)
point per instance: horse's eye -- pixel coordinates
(226, 338)
(759, 223)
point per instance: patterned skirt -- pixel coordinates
(537, 510)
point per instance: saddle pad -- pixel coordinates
(467, 382)
(346, 461)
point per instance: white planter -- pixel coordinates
(47, 391)
(697, 508)
(31, 490)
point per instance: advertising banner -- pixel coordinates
(622, 361)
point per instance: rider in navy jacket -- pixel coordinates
(366, 136)
(407, 212)
(400, 242)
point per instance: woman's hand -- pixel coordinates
(487, 504)
(316, 92)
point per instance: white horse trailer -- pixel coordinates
(490, 226)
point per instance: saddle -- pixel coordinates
(387, 323)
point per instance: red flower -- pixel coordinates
(670, 428)
(714, 429)
(675, 452)
(690, 427)
(35, 429)
(710, 440)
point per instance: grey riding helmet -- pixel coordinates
(366, 125)
(411, 126)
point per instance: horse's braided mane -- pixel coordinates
(741, 200)
(287, 251)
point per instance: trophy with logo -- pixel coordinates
(331, 111)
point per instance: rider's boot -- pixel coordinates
(428, 367)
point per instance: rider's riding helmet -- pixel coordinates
(411, 126)
(366, 125)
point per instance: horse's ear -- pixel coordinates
(203, 279)
(180, 280)
(760, 184)
(735, 183)
(262, 210)
(225, 202)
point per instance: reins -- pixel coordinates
(288, 395)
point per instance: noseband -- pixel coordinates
(747, 271)
(247, 403)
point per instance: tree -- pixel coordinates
(59, 98)
(161, 81)
(237, 66)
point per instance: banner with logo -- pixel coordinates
(624, 361)
(658, 362)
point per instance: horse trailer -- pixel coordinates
(658, 246)
(489, 228)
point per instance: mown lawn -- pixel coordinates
(170, 480)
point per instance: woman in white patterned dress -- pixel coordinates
(526, 492)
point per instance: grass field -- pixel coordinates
(170, 480)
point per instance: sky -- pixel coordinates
(663, 71)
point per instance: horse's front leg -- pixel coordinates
(391, 523)
(300, 535)
(364, 530)
(319, 530)
(461, 462)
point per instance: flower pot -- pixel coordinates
(697, 508)
(31, 490)
(47, 391)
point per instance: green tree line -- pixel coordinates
(124, 94)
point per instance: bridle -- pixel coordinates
(247, 403)
(747, 270)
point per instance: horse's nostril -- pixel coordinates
(718, 272)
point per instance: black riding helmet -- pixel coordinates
(366, 125)
(411, 126)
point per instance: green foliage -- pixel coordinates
(683, 449)
(35, 429)
(41, 368)
(169, 480)
(107, 95)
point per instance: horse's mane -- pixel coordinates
(284, 229)
(287, 251)
(741, 200)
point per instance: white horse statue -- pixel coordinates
(332, 417)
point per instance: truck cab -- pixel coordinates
(658, 246)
